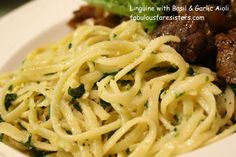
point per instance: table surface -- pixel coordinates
(8, 5)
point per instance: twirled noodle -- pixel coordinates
(112, 92)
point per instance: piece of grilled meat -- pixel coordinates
(226, 56)
(99, 16)
(197, 41)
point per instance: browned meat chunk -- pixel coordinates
(197, 42)
(226, 57)
(99, 16)
(111, 20)
(84, 13)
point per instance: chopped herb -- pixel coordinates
(76, 92)
(114, 36)
(69, 45)
(177, 95)
(190, 71)
(21, 126)
(1, 137)
(207, 78)
(104, 104)
(1, 120)
(39, 153)
(48, 74)
(76, 105)
(233, 87)
(164, 69)
(34, 151)
(8, 100)
(10, 87)
(127, 151)
(108, 74)
(27, 144)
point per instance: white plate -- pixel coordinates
(44, 21)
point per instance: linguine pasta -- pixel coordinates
(112, 92)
